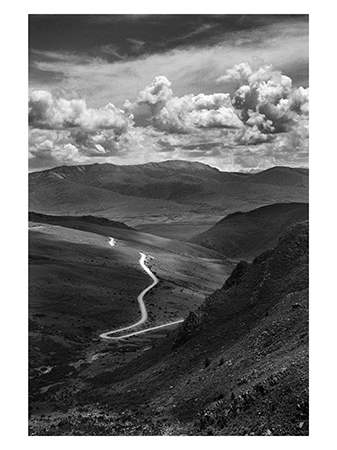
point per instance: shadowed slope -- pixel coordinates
(244, 235)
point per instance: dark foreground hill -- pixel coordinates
(238, 365)
(75, 221)
(245, 235)
(169, 192)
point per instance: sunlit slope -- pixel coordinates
(130, 237)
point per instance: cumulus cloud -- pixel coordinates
(259, 121)
(298, 101)
(156, 94)
(239, 73)
(64, 130)
(65, 153)
(54, 147)
(252, 136)
(101, 142)
(263, 115)
(46, 111)
(187, 113)
(265, 101)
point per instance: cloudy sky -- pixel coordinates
(227, 90)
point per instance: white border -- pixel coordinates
(323, 173)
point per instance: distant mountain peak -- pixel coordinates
(178, 164)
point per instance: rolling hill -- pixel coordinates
(243, 235)
(188, 196)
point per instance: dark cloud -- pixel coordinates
(119, 37)
(86, 33)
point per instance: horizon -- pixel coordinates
(230, 91)
(169, 161)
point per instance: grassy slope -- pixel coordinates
(64, 197)
(73, 277)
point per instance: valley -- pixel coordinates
(155, 325)
(86, 288)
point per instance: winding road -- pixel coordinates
(142, 307)
(112, 242)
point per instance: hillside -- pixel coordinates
(126, 235)
(80, 286)
(183, 194)
(238, 365)
(76, 222)
(243, 235)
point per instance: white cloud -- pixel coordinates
(264, 121)
(239, 73)
(188, 113)
(46, 111)
(54, 147)
(252, 136)
(65, 130)
(157, 93)
(265, 100)
(65, 153)
(299, 100)
(260, 121)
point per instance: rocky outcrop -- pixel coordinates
(260, 283)
(236, 275)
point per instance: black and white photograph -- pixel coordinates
(168, 275)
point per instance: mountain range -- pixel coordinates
(164, 198)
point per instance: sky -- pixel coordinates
(231, 91)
